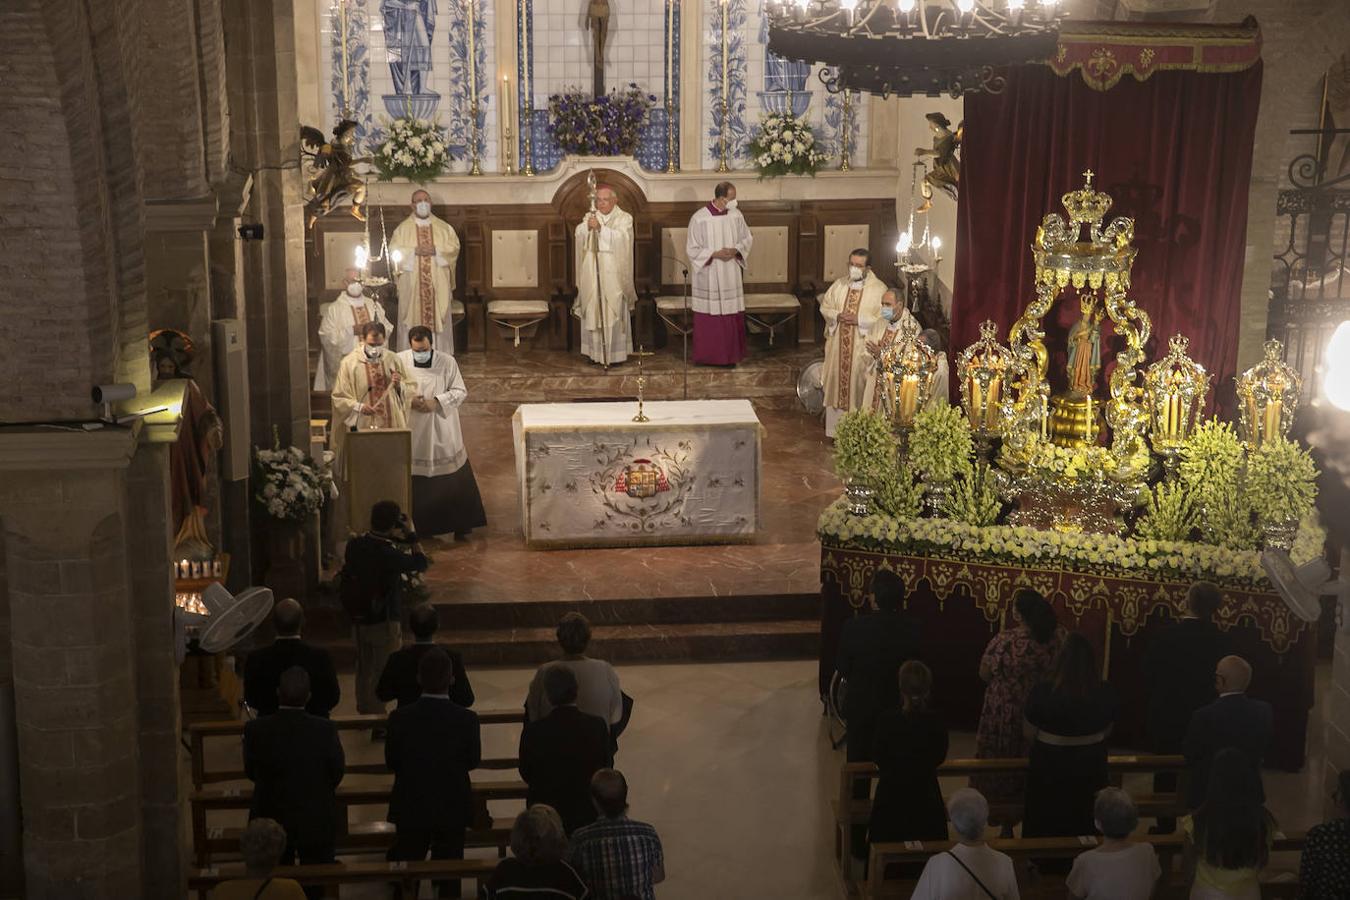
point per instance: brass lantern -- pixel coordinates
(1267, 397)
(907, 370)
(1174, 391)
(983, 371)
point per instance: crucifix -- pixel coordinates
(597, 23)
(641, 385)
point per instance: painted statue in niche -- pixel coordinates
(945, 172)
(1085, 346)
(409, 26)
(784, 79)
(597, 23)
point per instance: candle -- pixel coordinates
(909, 386)
(215, 568)
(1272, 421)
(976, 402)
(184, 570)
(508, 111)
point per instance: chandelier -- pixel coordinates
(906, 47)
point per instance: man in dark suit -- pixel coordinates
(560, 752)
(1233, 720)
(432, 745)
(400, 682)
(871, 651)
(1179, 667)
(263, 668)
(295, 762)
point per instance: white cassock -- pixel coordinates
(609, 327)
(362, 381)
(426, 283)
(847, 362)
(717, 288)
(883, 335)
(339, 333)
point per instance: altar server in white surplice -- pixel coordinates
(851, 307)
(428, 249)
(340, 327)
(885, 332)
(605, 325)
(371, 391)
(718, 246)
(445, 493)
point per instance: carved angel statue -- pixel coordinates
(946, 170)
(334, 179)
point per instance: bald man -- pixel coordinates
(1234, 720)
(263, 668)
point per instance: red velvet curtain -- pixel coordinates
(1175, 153)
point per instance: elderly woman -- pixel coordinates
(1120, 869)
(261, 845)
(536, 867)
(971, 870)
(1324, 871)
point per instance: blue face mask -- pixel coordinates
(422, 356)
(888, 313)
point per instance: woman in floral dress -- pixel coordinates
(1013, 663)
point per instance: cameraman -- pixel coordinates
(372, 587)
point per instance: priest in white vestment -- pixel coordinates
(340, 327)
(427, 249)
(884, 332)
(606, 330)
(851, 307)
(444, 491)
(371, 391)
(718, 245)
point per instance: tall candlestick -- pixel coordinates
(526, 96)
(722, 165)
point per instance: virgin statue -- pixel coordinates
(1085, 347)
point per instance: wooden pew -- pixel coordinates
(202, 881)
(1169, 847)
(351, 837)
(851, 812)
(199, 733)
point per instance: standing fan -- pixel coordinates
(811, 388)
(227, 621)
(1302, 587)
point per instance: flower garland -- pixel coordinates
(289, 484)
(415, 149)
(599, 126)
(785, 145)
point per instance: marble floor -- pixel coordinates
(732, 764)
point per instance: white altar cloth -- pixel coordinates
(590, 476)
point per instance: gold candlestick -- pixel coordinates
(641, 385)
(722, 165)
(845, 132)
(475, 167)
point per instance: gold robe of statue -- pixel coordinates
(360, 382)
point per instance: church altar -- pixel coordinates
(962, 602)
(590, 476)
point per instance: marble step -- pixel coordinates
(458, 616)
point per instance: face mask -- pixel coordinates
(423, 208)
(374, 352)
(888, 313)
(855, 273)
(731, 204)
(354, 289)
(422, 356)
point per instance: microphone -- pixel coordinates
(684, 267)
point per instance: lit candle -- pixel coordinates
(184, 570)
(976, 402)
(508, 111)
(909, 386)
(992, 401)
(1272, 423)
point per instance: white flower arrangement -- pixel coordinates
(288, 484)
(785, 145)
(415, 149)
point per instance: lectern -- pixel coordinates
(379, 467)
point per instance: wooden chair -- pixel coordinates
(517, 315)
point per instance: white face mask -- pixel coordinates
(422, 208)
(855, 273)
(888, 313)
(354, 289)
(731, 204)
(374, 352)
(422, 356)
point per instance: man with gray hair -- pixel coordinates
(971, 870)
(620, 858)
(1234, 720)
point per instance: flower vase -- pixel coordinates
(935, 496)
(285, 573)
(1279, 535)
(860, 494)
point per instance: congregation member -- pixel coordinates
(261, 845)
(1068, 719)
(444, 491)
(911, 742)
(372, 595)
(598, 692)
(1119, 869)
(605, 297)
(619, 858)
(852, 308)
(432, 746)
(263, 667)
(1179, 666)
(295, 762)
(340, 327)
(885, 331)
(718, 245)
(399, 680)
(971, 869)
(1324, 870)
(428, 250)
(369, 392)
(1233, 720)
(1016, 660)
(1228, 838)
(537, 867)
(561, 752)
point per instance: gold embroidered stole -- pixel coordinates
(848, 335)
(378, 396)
(426, 290)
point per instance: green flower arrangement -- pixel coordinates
(898, 494)
(1228, 520)
(1169, 514)
(1281, 481)
(940, 445)
(863, 446)
(1212, 460)
(974, 499)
